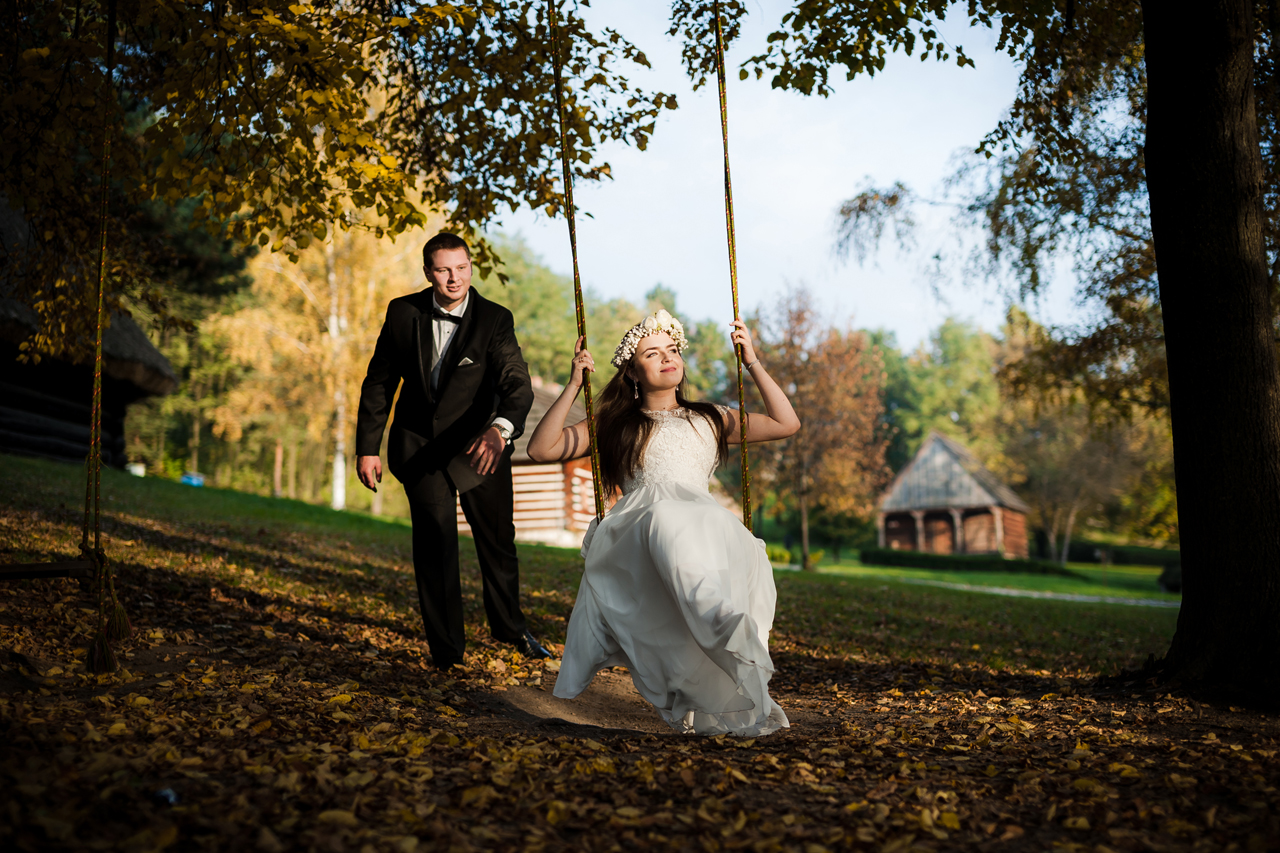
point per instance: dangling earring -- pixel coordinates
(636, 386)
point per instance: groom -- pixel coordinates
(465, 397)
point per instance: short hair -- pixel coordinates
(443, 240)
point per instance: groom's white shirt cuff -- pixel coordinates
(504, 424)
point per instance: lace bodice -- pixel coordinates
(682, 449)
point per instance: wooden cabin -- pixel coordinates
(945, 502)
(45, 408)
(555, 502)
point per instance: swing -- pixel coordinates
(93, 565)
(579, 308)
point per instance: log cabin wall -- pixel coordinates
(980, 532)
(900, 532)
(1015, 534)
(939, 536)
(45, 410)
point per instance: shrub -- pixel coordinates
(1084, 551)
(960, 562)
(777, 555)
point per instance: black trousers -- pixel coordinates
(488, 509)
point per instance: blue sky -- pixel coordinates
(794, 160)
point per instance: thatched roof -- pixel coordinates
(945, 475)
(127, 353)
(543, 397)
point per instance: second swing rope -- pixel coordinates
(570, 213)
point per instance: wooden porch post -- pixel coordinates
(918, 515)
(957, 518)
(880, 530)
(998, 515)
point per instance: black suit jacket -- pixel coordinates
(431, 431)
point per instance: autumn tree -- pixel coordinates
(835, 463)
(303, 335)
(284, 121)
(1202, 157)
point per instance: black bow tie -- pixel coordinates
(441, 315)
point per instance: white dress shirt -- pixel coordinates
(442, 333)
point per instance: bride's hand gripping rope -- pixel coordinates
(582, 361)
(741, 337)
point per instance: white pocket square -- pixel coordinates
(465, 362)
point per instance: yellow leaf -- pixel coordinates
(341, 699)
(950, 820)
(478, 796)
(1076, 823)
(261, 726)
(1126, 771)
(991, 770)
(339, 817)
(557, 811)
(118, 729)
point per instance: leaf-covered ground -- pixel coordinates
(277, 696)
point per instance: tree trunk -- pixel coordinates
(293, 469)
(277, 471)
(804, 512)
(194, 461)
(1204, 179)
(1066, 533)
(338, 496)
(1052, 531)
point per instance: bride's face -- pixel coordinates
(657, 364)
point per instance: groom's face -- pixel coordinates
(450, 275)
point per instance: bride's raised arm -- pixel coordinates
(779, 420)
(552, 441)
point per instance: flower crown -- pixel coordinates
(659, 321)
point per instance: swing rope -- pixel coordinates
(113, 622)
(571, 215)
(733, 267)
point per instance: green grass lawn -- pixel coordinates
(1111, 581)
(281, 546)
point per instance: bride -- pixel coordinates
(675, 588)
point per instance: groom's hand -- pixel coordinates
(369, 470)
(486, 451)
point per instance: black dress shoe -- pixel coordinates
(445, 661)
(530, 647)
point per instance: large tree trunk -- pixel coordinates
(1205, 182)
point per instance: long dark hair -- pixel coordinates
(623, 428)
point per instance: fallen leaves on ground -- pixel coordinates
(277, 696)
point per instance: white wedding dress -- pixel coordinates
(677, 590)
